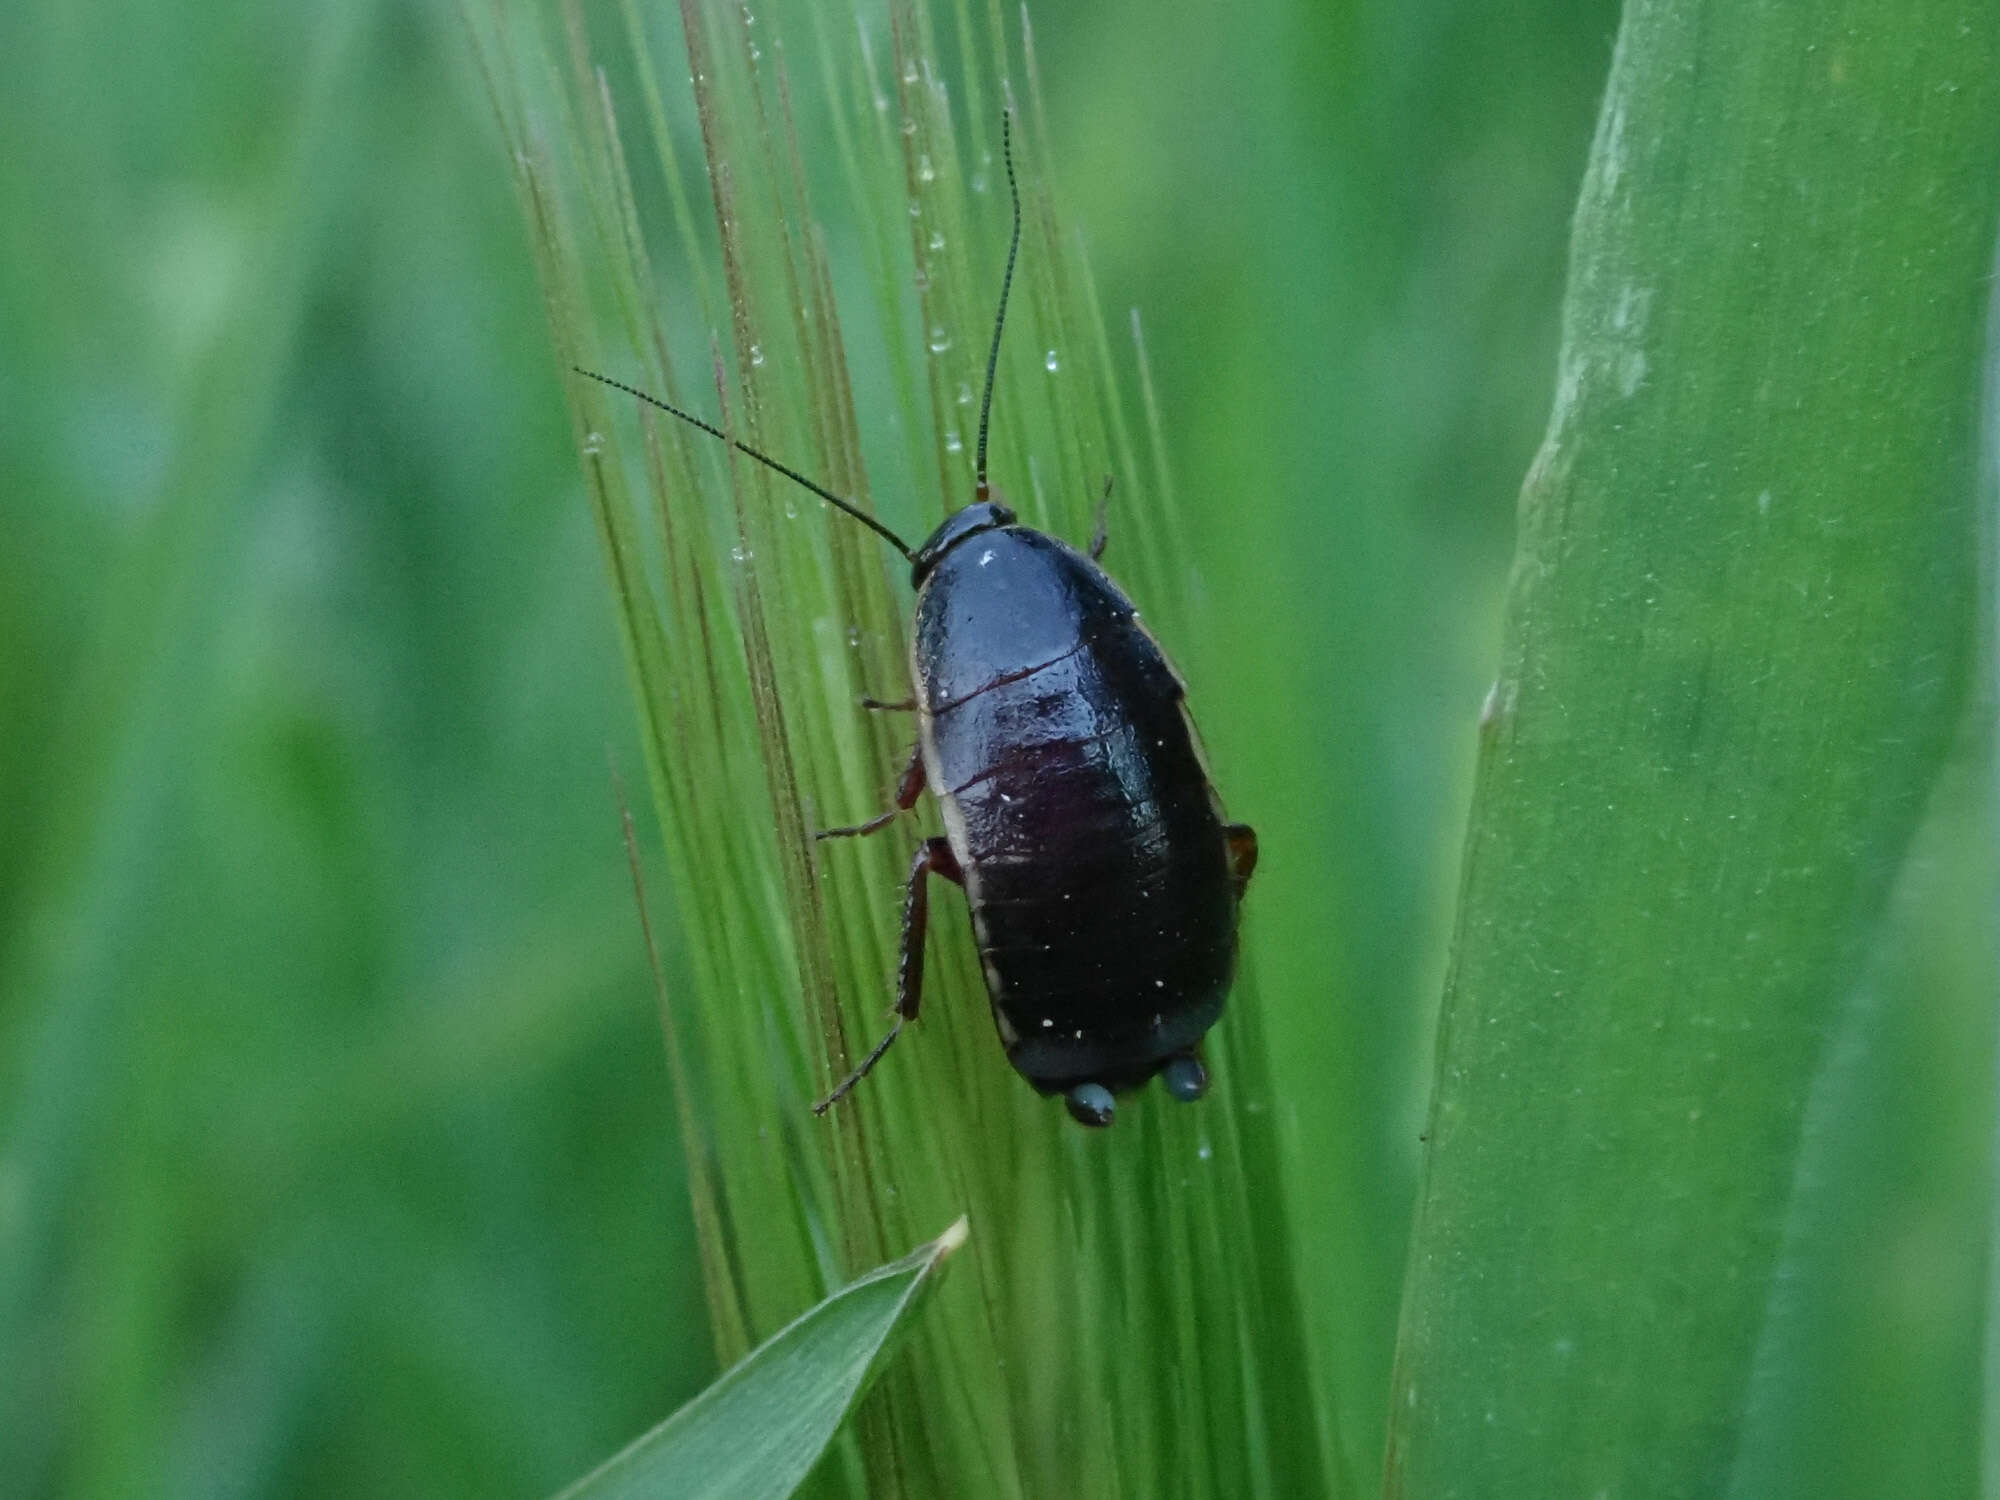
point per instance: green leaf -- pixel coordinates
(1738, 643)
(758, 1431)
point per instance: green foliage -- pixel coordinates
(337, 1143)
(1738, 645)
(757, 1432)
(755, 618)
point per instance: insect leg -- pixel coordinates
(1242, 842)
(933, 857)
(1101, 537)
(908, 789)
(900, 706)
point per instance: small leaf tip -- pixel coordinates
(954, 1237)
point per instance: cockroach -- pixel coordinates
(1102, 876)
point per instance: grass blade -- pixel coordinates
(757, 1432)
(1738, 642)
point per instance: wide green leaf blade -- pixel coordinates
(1738, 644)
(757, 1432)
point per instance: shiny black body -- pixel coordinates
(1094, 855)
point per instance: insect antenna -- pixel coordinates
(1006, 282)
(768, 462)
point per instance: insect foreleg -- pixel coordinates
(1100, 536)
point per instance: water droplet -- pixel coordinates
(1050, 362)
(741, 553)
(756, 53)
(953, 443)
(940, 340)
(756, 354)
(593, 443)
(925, 171)
(964, 394)
(910, 73)
(923, 278)
(916, 209)
(1206, 1151)
(979, 182)
(937, 239)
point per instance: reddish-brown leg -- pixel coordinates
(908, 789)
(933, 857)
(1242, 841)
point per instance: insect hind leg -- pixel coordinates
(933, 857)
(1242, 846)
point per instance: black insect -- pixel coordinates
(1101, 874)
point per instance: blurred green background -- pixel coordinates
(336, 1154)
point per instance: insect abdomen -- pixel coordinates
(1111, 948)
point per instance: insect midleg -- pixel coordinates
(933, 857)
(1100, 536)
(908, 789)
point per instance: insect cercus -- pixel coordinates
(1102, 876)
